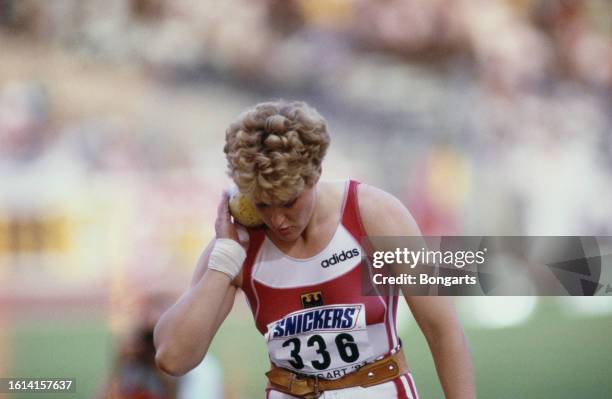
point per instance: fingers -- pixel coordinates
(223, 212)
(224, 228)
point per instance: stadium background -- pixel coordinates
(483, 117)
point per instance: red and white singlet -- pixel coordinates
(313, 314)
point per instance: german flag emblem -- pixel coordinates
(312, 299)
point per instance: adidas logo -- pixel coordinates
(340, 257)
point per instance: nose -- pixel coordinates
(278, 218)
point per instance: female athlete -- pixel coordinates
(300, 272)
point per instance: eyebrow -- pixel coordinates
(293, 201)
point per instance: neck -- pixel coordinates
(319, 215)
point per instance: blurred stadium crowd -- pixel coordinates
(482, 116)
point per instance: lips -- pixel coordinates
(285, 230)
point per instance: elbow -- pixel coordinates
(166, 358)
(172, 355)
(169, 364)
(172, 364)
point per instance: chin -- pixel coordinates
(290, 237)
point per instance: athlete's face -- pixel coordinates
(287, 221)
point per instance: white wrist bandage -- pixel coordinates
(227, 257)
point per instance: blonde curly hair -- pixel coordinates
(275, 149)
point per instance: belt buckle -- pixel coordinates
(315, 393)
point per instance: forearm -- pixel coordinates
(184, 333)
(453, 363)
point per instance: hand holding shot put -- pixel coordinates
(324, 336)
(224, 227)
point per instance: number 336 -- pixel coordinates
(347, 349)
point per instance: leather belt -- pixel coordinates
(311, 387)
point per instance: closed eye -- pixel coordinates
(290, 204)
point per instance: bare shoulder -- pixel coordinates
(332, 194)
(383, 214)
(333, 188)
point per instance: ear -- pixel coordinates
(319, 177)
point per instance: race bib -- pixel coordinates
(327, 341)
